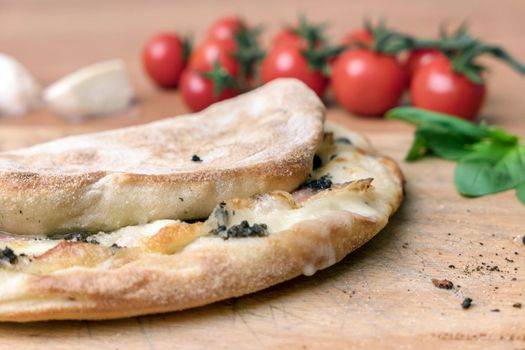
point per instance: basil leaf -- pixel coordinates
(520, 192)
(444, 143)
(502, 136)
(490, 168)
(418, 149)
(421, 117)
(490, 160)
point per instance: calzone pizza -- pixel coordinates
(186, 211)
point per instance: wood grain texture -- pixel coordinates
(379, 297)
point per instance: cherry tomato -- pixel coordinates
(225, 28)
(417, 59)
(163, 59)
(287, 37)
(438, 88)
(358, 36)
(289, 62)
(208, 52)
(197, 91)
(366, 82)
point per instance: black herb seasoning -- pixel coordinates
(321, 183)
(77, 237)
(196, 158)
(241, 230)
(7, 254)
(467, 302)
(523, 239)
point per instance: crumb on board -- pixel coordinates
(442, 283)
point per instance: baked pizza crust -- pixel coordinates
(308, 230)
(261, 141)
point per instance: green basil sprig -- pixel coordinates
(490, 160)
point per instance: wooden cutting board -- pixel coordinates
(380, 296)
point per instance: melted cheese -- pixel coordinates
(130, 236)
(32, 247)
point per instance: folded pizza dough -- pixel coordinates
(246, 244)
(178, 168)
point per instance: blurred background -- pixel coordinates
(54, 37)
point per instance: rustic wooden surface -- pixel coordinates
(381, 296)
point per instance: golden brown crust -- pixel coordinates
(178, 268)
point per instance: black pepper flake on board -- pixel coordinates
(517, 305)
(317, 163)
(523, 239)
(467, 302)
(494, 310)
(344, 140)
(321, 183)
(7, 254)
(451, 266)
(196, 158)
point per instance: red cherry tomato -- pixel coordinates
(417, 59)
(208, 52)
(287, 37)
(197, 91)
(225, 28)
(358, 36)
(289, 62)
(163, 59)
(366, 82)
(438, 88)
